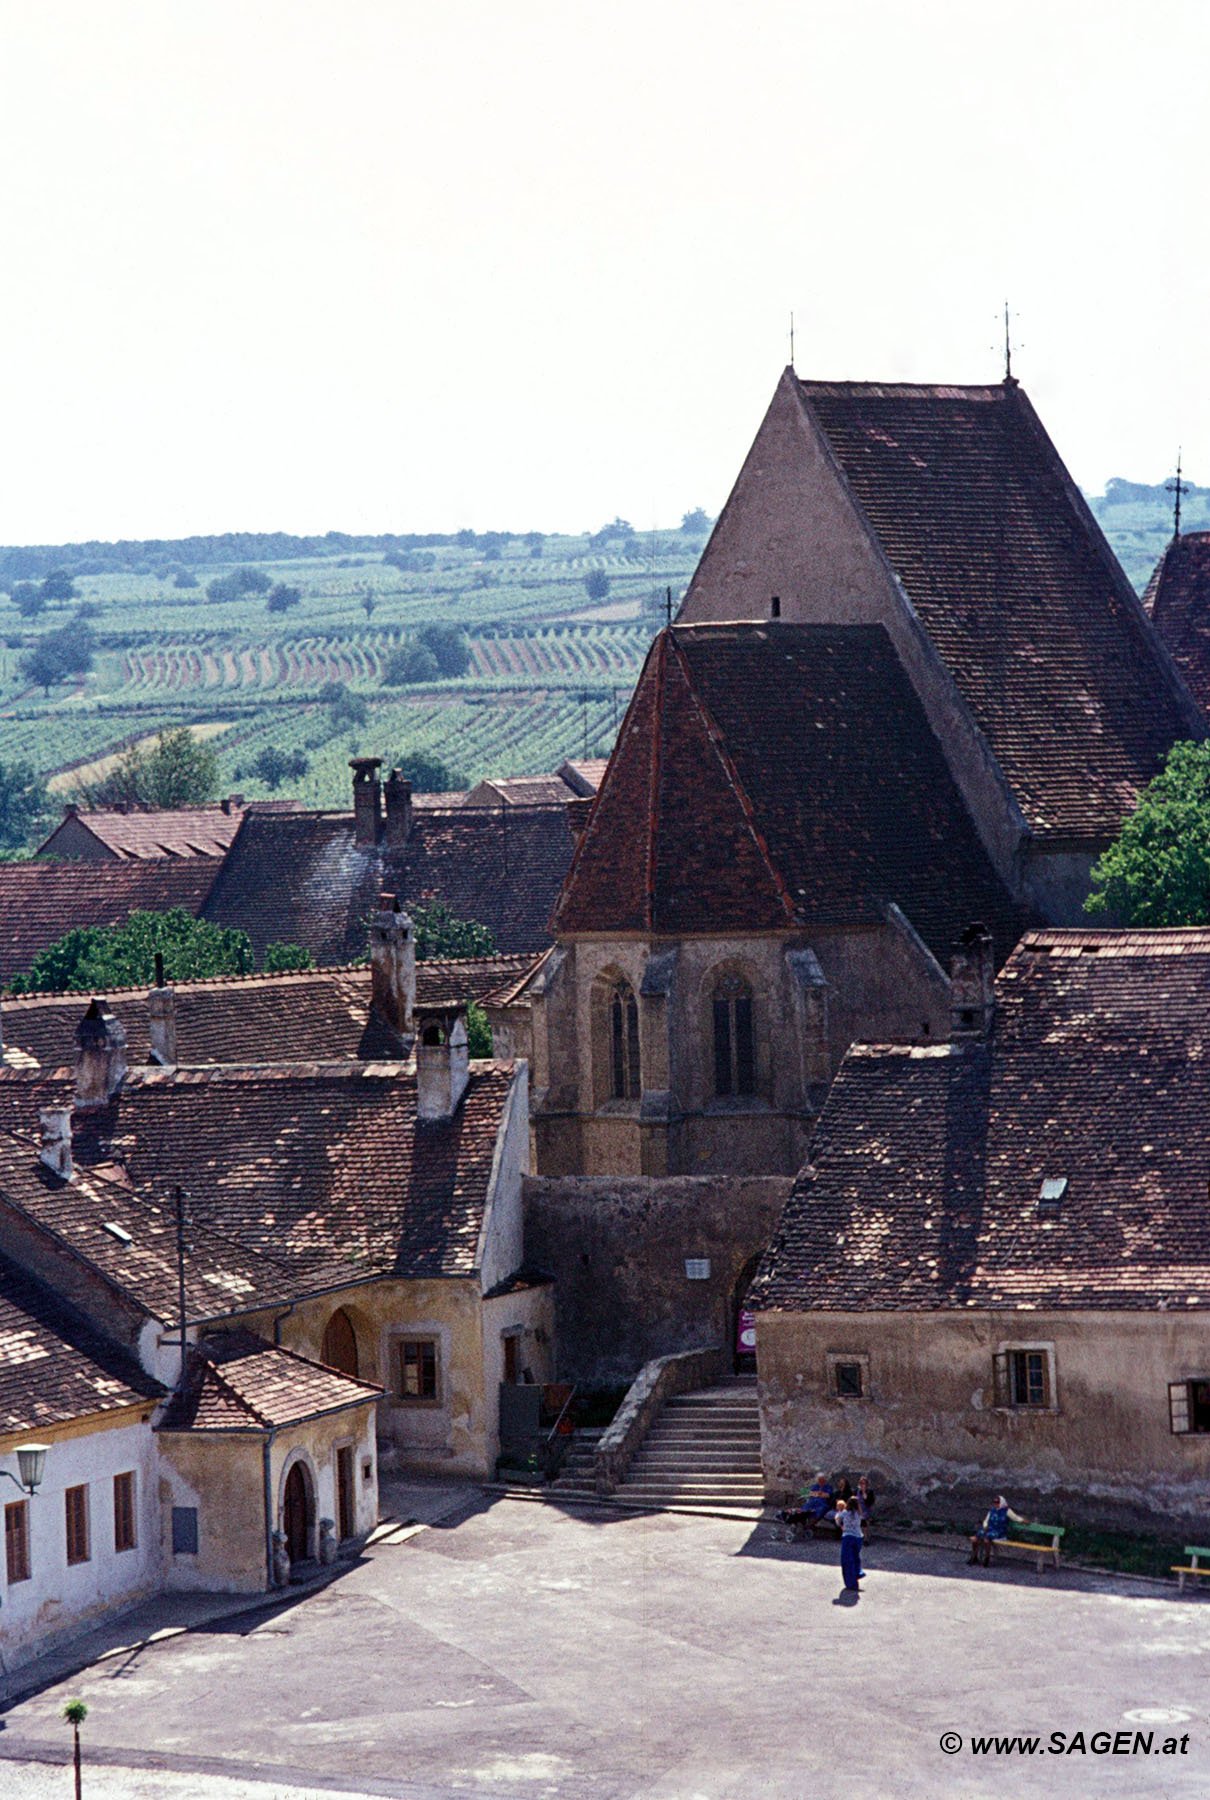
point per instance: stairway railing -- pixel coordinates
(655, 1382)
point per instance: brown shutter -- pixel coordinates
(1001, 1383)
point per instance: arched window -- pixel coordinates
(734, 1062)
(624, 1076)
(340, 1344)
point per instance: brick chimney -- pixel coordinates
(392, 964)
(100, 1056)
(399, 808)
(972, 984)
(367, 800)
(56, 1140)
(161, 1018)
(442, 1061)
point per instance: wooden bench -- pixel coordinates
(1035, 1549)
(1193, 1567)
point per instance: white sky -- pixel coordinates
(419, 264)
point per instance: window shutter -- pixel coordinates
(1178, 1407)
(1001, 1383)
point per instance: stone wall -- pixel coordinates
(617, 1247)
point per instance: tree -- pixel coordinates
(24, 804)
(478, 1031)
(28, 599)
(535, 542)
(184, 578)
(177, 770)
(410, 663)
(59, 655)
(240, 582)
(75, 1713)
(448, 645)
(58, 586)
(596, 584)
(369, 602)
(274, 766)
(1157, 872)
(428, 774)
(346, 710)
(695, 523)
(439, 933)
(282, 597)
(100, 957)
(279, 957)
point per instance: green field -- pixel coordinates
(550, 674)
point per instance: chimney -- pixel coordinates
(392, 964)
(56, 1140)
(367, 800)
(577, 817)
(399, 808)
(442, 1062)
(100, 1056)
(972, 977)
(161, 1018)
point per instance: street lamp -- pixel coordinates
(31, 1460)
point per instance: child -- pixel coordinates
(848, 1517)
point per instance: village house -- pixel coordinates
(41, 901)
(1177, 601)
(146, 833)
(993, 1271)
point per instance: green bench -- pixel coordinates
(1193, 1566)
(1035, 1547)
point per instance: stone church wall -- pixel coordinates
(617, 1247)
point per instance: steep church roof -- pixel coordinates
(777, 776)
(924, 1184)
(1178, 601)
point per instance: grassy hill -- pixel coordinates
(551, 669)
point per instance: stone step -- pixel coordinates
(652, 1463)
(684, 1484)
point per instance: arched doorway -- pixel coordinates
(743, 1327)
(339, 1349)
(296, 1514)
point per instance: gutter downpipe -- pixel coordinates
(266, 1468)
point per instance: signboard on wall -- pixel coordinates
(745, 1332)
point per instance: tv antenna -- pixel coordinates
(1176, 489)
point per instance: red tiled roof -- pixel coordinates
(236, 1381)
(774, 776)
(53, 1366)
(923, 1186)
(301, 878)
(317, 1015)
(1178, 600)
(311, 1166)
(40, 901)
(143, 833)
(1015, 585)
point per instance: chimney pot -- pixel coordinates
(399, 807)
(367, 800)
(442, 1062)
(161, 1019)
(56, 1140)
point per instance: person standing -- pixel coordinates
(848, 1517)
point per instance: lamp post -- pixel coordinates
(31, 1460)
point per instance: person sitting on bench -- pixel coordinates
(865, 1498)
(993, 1528)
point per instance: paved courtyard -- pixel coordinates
(518, 1650)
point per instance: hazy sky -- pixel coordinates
(419, 264)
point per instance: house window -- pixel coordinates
(848, 1376)
(418, 1370)
(184, 1531)
(125, 1536)
(624, 1082)
(75, 1501)
(1024, 1377)
(16, 1540)
(734, 1062)
(1189, 1407)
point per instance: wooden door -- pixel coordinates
(344, 1491)
(294, 1514)
(340, 1344)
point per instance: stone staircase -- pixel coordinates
(703, 1449)
(575, 1479)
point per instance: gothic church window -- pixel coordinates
(624, 1072)
(734, 1059)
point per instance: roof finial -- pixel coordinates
(1177, 488)
(1008, 347)
(791, 340)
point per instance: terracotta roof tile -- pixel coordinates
(1178, 600)
(924, 1184)
(53, 1366)
(40, 901)
(237, 1382)
(147, 833)
(498, 866)
(1016, 587)
(779, 775)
